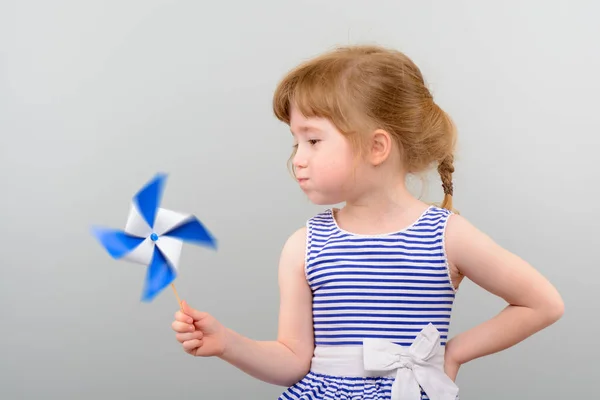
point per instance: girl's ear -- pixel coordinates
(381, 145)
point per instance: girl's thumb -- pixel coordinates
(195, 314)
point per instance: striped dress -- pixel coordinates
(390, 287)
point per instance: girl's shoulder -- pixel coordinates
(324, 216)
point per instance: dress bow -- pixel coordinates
(420, 365)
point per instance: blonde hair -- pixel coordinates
(360, 88)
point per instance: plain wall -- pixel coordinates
(98, 96)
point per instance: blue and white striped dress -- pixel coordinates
(388, 286)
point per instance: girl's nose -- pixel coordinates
(299, 161)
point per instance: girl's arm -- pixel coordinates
(286, 360)
(533, 303)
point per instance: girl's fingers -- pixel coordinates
(190, 345)
(182, 327)
(180, 316)
(184, 337)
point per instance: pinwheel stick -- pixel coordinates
(176, 295)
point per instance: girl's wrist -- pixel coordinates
(452, 352)
(227, 344)
(451, 361)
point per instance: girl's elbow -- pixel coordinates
(299, 371)
(554, 309)
(297, 376)
(304, 367)
(558, 309)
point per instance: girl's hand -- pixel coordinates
(200, 333)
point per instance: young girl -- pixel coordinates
(367, 290)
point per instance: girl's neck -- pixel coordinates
(380, 210)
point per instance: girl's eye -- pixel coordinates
(312, 142)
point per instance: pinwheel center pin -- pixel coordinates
(154, 237)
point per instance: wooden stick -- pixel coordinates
(176, 295)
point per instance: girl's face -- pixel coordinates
(324, 162)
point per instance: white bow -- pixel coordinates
(420, 365)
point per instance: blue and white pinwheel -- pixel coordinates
(154, 237)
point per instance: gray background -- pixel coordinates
(98, 96)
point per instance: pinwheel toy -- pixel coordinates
(154, 237)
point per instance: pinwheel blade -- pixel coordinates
(142, 254)
(192, 231)
(159, 275)
(117, 243)
(136, 224)
(148, 199)
(167, 220)
(170, 249)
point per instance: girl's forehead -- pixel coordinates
(309, 127)
(300, 124)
